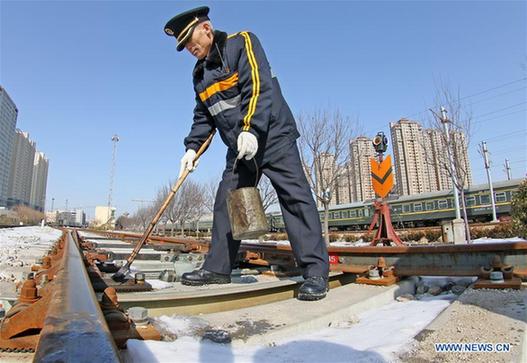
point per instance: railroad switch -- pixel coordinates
(379, 274)
(497, 276)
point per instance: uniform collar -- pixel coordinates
(214, 57)
(217, 45)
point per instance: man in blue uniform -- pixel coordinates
(237, 94)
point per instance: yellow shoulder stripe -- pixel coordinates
(219, 86)
(255, 80)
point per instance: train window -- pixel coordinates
(366, 212)
(470, 201)
(336, 215)
(397, 209)
(484, 198)
(443, 204)
(330, 215)
(501, 197)
(345, 214)
(353, 213)
(406, 208)
(360, 213)
(418, 207)
(429, 205)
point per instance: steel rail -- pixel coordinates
(75, 329)
(425, 260)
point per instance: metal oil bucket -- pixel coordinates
(246, 212)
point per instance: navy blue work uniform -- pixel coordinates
(235, 92)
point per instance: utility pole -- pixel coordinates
(508, 169)
(115, 140)
(445, 122)
(52, 203)
(484, 151)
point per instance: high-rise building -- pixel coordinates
(21, 173)
(421, 158)
(343, 187)
(8, 116)
(39, 182)
(361, 151)
(436, 158)
(410, 168)
(461, 156)
(325, 169)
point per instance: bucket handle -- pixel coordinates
(255, 165)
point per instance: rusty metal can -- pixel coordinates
(246, 212)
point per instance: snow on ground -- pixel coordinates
(19, 247)
(159, 284)
(498, 240)
(378, 335)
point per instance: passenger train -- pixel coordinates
(417, 210)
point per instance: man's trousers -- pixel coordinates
(299, 211)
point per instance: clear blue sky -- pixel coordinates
(80, 71)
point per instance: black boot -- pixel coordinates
(204, 277)
(313, 288)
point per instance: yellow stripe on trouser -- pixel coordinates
(219, 86)
(256, 82)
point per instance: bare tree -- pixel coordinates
(267, 192)
(188, 205)
(28, 215)
(450, 159)
(324, 150)
(210, 189)
(142, 216)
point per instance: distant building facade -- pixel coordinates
(420, 156)
(8, 117)
(361, 152)
(39, 182)
(71, 218)
(21, 171)
(343, 187)
(105, 215)
(407, 145)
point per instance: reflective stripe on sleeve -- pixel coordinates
(223, 105)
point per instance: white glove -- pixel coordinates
(187, 162)
(247, 145)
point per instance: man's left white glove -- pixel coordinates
(187, 162)
(247, 145)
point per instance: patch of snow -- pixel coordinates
(379, 335)
(159, 284)
(498, 240)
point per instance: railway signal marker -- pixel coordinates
(382, 176)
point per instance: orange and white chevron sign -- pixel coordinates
(382, 176)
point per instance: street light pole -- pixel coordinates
(115, 140)
(485, 151)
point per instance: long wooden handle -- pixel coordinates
(165, 204)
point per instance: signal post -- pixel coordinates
(382, 181)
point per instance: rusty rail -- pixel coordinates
(75, 328)
(426, 260)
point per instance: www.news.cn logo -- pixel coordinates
(472, 347)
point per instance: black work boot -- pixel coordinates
(204, 277)
(313, 288)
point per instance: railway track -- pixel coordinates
(71, 302)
